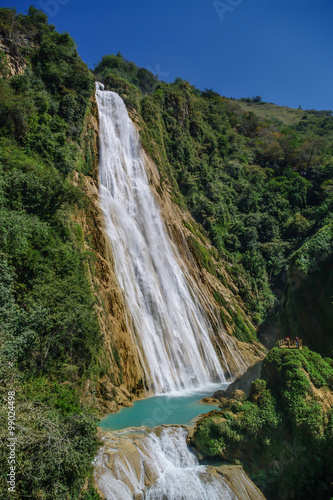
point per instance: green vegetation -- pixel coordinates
(55, 438)
(117, 66)
(201, 255)
(43, 108)
(260, 188)
(317, 249)
(265, 110)
(49, 334)
(283, 433)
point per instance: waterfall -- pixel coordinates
(156, 464)
(170, 328)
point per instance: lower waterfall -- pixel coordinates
(170, 328)
(156, 464)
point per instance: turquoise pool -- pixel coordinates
(178, 408)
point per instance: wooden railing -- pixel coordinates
(290, 344)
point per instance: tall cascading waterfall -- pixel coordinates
(171, 330)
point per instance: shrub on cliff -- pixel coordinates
(43, 108)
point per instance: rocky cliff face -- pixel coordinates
(219, 290)
(13, 52)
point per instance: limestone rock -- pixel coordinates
(240, 483)
(242, 383)
(210, 401)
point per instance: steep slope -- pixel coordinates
(65, 341)
(121, 378)
(171, 331)
(238, 197)
(207, 271)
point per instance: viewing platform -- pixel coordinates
(290, 343)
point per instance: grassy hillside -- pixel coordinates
(269, 111)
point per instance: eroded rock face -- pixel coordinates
(239, 482)
(242, 383)
(157, 463)
(207, 283)
(15, 52)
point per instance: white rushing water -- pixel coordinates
(171, 330)
(155, 465)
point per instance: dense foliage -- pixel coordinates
(259, 188)
(117, 65)
(42, 108)
(317, 249)
(49, 333)
(55, 439)
(283, 433)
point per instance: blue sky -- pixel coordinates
(279, 49)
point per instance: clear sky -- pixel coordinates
(278, 49)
